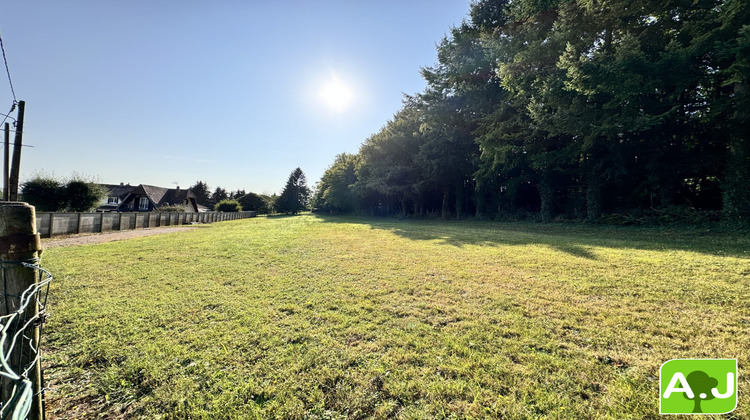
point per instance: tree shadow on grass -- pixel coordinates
(572, 239)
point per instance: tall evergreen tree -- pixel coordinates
(202, 193)
(219, 194)
(296, 195)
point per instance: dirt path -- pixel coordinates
(97, 238)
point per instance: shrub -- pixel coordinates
(228, 206)
(254, 202)
(83, 195)
(45, 193)
(171, 209)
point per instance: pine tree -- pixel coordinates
(296, 194)
(219, 194)
(202, 194)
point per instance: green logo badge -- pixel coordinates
(698, 386)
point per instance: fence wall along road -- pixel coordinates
(55, 224)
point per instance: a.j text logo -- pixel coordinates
(698, 386)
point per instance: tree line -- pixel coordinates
(79, 193)
(569, 109)
(294, 198)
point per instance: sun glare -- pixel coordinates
(336, 94)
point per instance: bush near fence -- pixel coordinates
(55, 224)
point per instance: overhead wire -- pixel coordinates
(7, 70)
(7, 116)
(10, 82)
(12, 108)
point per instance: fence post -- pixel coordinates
(19, 241)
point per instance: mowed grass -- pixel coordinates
(323, 318)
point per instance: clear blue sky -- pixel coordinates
(227, 92)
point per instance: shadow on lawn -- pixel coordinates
(572, 239)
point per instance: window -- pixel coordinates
(143, 204)
(113, 200)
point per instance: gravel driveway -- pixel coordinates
(97, 238)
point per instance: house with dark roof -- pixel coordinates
(115, 195)
(149, 198)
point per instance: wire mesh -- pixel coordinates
(19, 347)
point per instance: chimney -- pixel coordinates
(122, 184)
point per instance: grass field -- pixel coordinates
(326, 318)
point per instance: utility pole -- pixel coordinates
(6, 166)
(16, 164)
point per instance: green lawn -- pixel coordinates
(325, 318)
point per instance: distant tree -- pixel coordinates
(83, 194)
(271, 200)
(295, 196)
(236, 194)
(218, 195)
(44, 192)
(334, 192)
(228, 206)
(202, 193)
(254, 202)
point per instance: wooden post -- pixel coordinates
(16, 164)
(19, 241)
(6, 165)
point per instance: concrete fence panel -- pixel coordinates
(64, 224)
(110, 221)
(44, 224)
(55, 224)
(89, 223)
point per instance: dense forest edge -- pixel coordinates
(623, 112)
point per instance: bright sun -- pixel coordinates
(336, 94)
